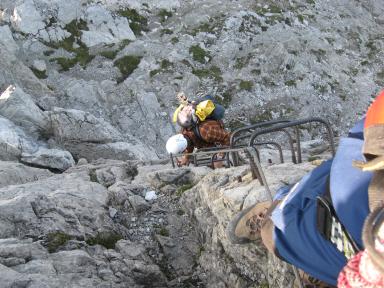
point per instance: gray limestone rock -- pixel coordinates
(70, 125)
(26, 18)
(49, 158)
(19, 107)
(14, 141)
(138, 203)
(12, 173)
(65, 203)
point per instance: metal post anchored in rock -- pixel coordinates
(256, 161)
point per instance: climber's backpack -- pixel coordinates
(206, 109)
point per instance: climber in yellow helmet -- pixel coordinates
(201, 126)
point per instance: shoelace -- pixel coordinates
(255, 222)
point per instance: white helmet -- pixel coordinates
(176, 144)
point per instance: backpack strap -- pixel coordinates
(197, 133)
(330, 226)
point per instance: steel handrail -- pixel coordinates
(297, 123)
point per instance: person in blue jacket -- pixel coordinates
(316, 225)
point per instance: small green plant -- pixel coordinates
(208, 27)
(256, 71)
(166, 31)
(48, 52)
(242, 62)
(234, 124)
(343, 96)
(213, 72)
(65, 63)
(201, 251)
(39, 74)
(164, 15)
(106, 239)
(137, 22)
(174, 40)
(127, 64)
(82, 55)
(56, 240)
(319, 87)
(109, 54)
(163, 231)
(199, 54)
(246, 85)
(123, 43)
(225, 98)
(75, 27)
(154, 72)
(319, 53)
(166, 64)
(93, 176)
(184, 188)
(180, 212)
(290, 83)
(266, 115)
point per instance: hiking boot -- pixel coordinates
(246, 225)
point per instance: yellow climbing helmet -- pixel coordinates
(202, 110)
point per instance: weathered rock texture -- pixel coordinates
(123, 62)
(97, 79)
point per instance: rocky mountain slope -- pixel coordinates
(116, 223)
(124, 61)
(87, 89)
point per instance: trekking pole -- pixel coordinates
(252, 151)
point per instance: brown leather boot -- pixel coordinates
(246, 225)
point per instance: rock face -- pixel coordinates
(50, 158)
(124, 62)
(97, 80)
(19, 107)
(14, 141)
(214, 202)
(92, 225)
(16, 173)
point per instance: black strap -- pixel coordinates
(325, 213)
(197, 133)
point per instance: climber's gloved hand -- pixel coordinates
(183, 161)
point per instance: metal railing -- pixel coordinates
(295, 124)
(208, 156)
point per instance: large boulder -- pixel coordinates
(14, 71)
(12, 173)
(215, 200)
(14, 141)
(69, 203)
(103, 28)
(27, 19)
(70, 125)
(116, 150)
(49, 158)
(19, 107)
(7, 40)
